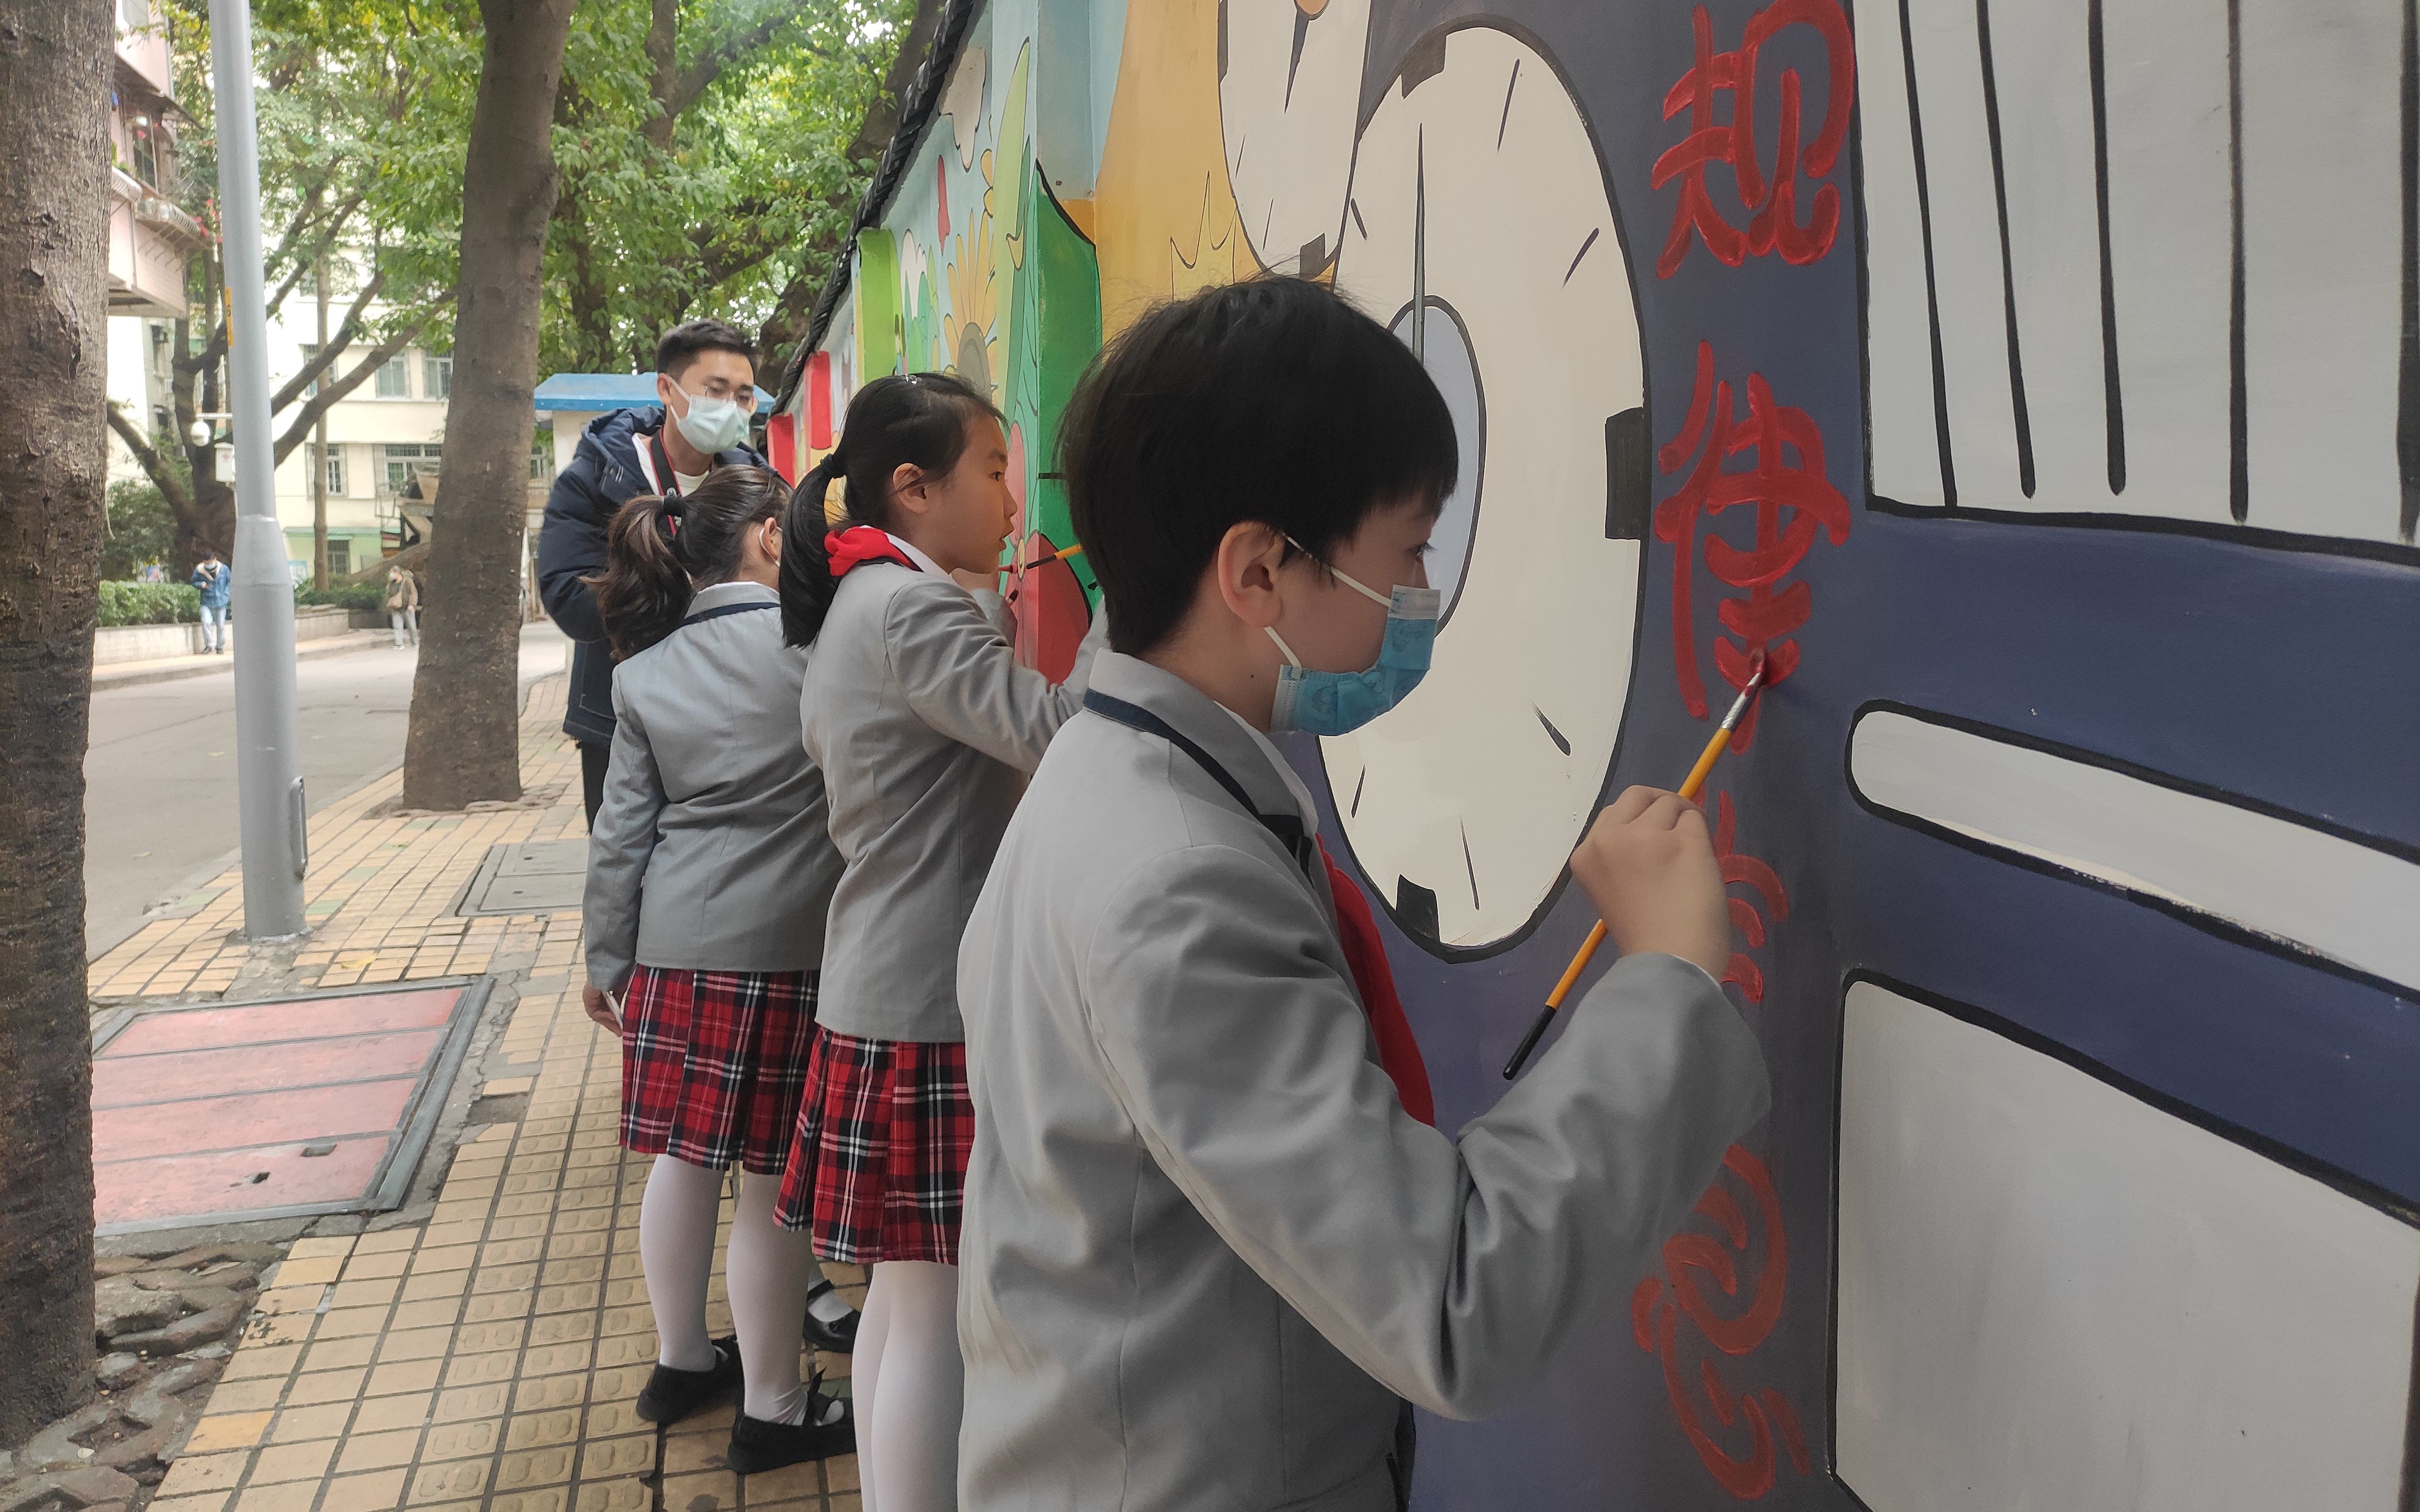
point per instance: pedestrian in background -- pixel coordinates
(710, 871)
(403, 606)
(706, 382)
(212, 577)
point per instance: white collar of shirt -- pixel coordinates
(922, 561)
(1302, 803)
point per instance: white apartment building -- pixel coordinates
(384, 438)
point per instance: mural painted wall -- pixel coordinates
(2039, 389)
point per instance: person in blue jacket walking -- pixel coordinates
(216, 582)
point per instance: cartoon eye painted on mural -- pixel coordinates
(1289, 81)
(1480, 227)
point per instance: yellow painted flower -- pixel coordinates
(970, 329)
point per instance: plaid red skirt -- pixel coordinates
(714, 1064)
(880, 1161)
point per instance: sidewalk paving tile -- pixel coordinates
(487, 1355)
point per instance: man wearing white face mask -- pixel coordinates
(705, 393)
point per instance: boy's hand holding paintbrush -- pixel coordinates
(1649, 864)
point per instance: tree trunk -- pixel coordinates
(464, 742)
(54, 67)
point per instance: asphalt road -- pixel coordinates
(160, 780)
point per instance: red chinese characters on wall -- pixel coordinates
(1794, 501)
(1747, 915)
(1770, 200)
(1701, 1308)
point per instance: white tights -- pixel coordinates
(768, 1272)
(909, 1382)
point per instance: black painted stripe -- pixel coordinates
(1932, 283)
(1562, 742)
(2017, 412)
(1582, 252)
(2239, 409)
(2406, 432)
(2111, 383)
(1506, 119)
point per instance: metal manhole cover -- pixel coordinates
(534, 877)
(273, 1109)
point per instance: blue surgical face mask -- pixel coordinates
(1336, 704)
(712, 424)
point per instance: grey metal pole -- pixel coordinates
(268, 788)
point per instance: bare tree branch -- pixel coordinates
(155, 467)
(326, 358)
(300, 431)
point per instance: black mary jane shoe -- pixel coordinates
(758, 1445)
(671, 1395)
(839, 1336)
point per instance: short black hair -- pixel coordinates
(1273, 400)
(686, 340)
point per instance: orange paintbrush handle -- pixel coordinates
(1696, 782)
(1690, 787)
(1689, 791)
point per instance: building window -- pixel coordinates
(340, 557)
(334, 460)
(134, 14)
(401, 461)
(140, 135)
(542, 458)
(437, 378)
(394, 379)
(310, 353)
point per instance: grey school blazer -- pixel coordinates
(710, 850)
(914, 702)
(1205, 1249)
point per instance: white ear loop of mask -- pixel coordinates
(1385, 601)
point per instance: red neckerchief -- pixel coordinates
(1399, 1054)
(859, 544)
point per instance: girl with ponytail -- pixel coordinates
(709, 875)
(925, 726)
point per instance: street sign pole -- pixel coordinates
(270, 789)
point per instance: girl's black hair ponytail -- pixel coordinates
(807, 581)
(660, 551)
(916, 420)
(644, 590)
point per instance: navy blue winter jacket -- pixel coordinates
(604, 475)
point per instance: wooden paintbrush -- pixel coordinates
(1690, 788)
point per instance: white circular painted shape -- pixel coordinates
(1289, 89)
(1481, 189)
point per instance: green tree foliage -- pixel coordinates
(141, 529)
(364, 111)
(712, 154)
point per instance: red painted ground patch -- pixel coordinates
(251, 1109)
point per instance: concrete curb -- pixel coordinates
(134, 674)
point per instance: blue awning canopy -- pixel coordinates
(595, 392)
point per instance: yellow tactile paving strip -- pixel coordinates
(487, 1358)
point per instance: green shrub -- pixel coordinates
(358, 597)
(141, 529)
(138, 603)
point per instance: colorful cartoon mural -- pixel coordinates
(2037, 388)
